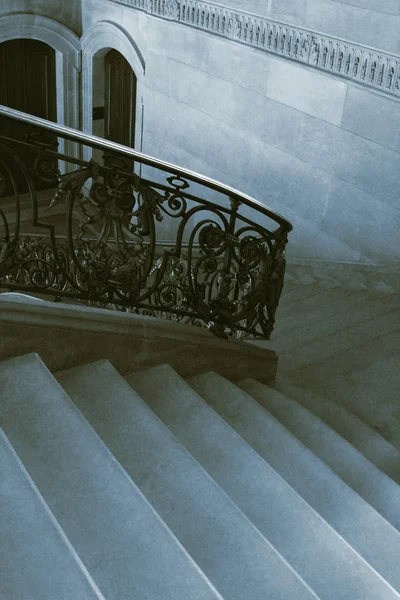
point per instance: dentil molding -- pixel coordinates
(352, 61)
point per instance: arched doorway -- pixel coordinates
(28, 76)
(97, 42)
(114, 99)
(119, 99)
(67, 47)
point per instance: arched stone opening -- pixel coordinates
(67, 54)
(114, 98)
(67, 47)
(97, 42)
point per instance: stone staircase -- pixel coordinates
(158, 486)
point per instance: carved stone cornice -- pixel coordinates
(352, 61)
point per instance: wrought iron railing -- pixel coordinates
(109, 226)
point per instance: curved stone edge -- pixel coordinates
(67, 336)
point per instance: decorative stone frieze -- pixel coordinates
(346, 59)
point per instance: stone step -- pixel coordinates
(376, 540)
(323, 558)
(371, 393)
(287, 326)
(383, 288)
(36, 560)
(327, 346)
(19, 297)
(346, 461)
(317, 307)
(316, 271)
(355, 286)
(308, 303)
(289, 299)
(124, 544)
(367, 275)
(288, 277)
(368, 441)
(296, 280)
(369, 307)
(233, 554)
(354, 359)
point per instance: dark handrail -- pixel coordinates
(96, 142)
(211, 263)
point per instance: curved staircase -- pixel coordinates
(122, 483)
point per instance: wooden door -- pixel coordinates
(120, 102)
(28, 83)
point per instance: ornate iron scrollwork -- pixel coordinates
(137, 245)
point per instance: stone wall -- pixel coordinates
(322, 151)
(68, 13)
(364, 21)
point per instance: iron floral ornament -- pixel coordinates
(106, 244)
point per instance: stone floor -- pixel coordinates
(338, 335)
(159, 486)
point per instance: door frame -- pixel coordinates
(109, 93)
(105, 35)
(68, 63)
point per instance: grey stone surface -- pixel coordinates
(307, 91)
(93, 9)
(367, 25)
(362, 220)
(360, 114)
(364, 378)
(351, 158)
(297, 303)
(212, 446)
(290, 11)
(369, 379)
(18, 297)
(124, 544)
(344, 271)
(201, 101)
(179, 43)
(325, 346)
(36, 560)
(367, 440)
(249, 164)
(315, 307)
(218, 536)
(371, 391)
(131, 342)
(290, 298)
(353, 518)
(239, 65)
(357, 358)
(68, 14)
(357, 471)
(258, 7)
(294, 282)
(278, 511)
(292, 152)
(324, 246)
(362, 307)
(390, 7)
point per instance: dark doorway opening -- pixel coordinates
(114, 103)
(119, 99)
(28, 84)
